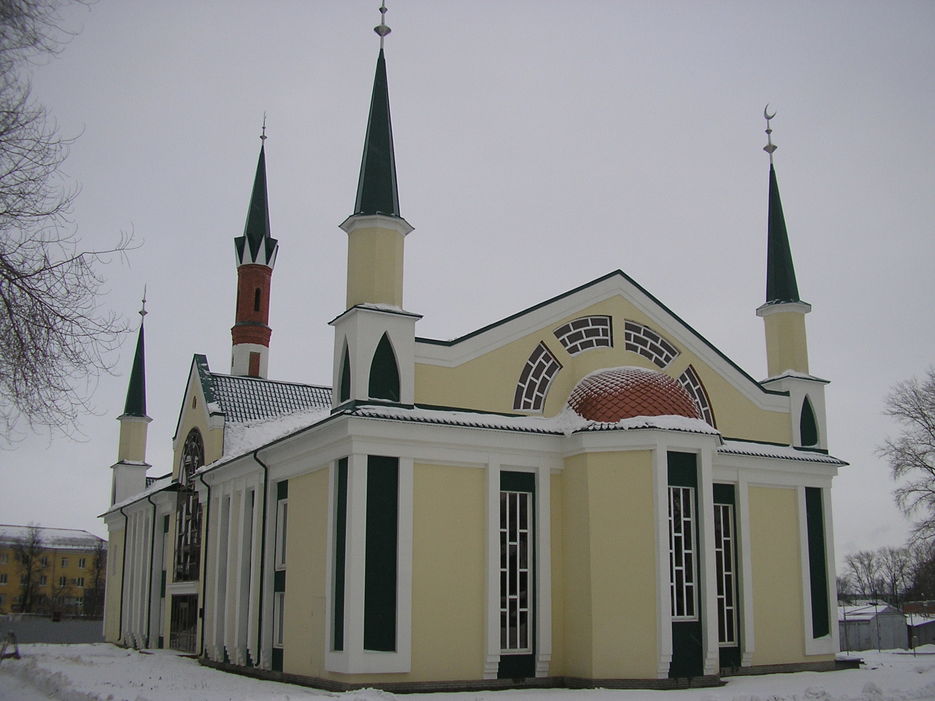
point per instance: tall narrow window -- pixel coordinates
(188, 510)
(808, 426)
(256, 300)
(725, 557)
(517, 575)
(682, 564)
(384, 373)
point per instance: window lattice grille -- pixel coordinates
(693, 385)
(682, 565)
(726, 574)
(585, 333)
(643, 341)
(515, 571)
(534, 381)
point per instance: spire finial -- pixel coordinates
(143, 311)
(263, 131)
(381, 29)
(770, 146)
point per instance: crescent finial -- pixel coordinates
(766, 113)
(770, 146)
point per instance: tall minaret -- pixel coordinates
(375, 337)
(784, 312)
(256, 255)
(129, 472)
(783, 316)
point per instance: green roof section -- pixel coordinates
(136, 391)
(780, 273)
(256, 232)
(376, 189)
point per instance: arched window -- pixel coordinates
(808, 426)
(384, 373)
(344, 386)
(188, 510)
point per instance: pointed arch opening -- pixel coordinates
(344, 385)
(384, 372)
(808, 425)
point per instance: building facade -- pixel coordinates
(51, 571)
(586, 492)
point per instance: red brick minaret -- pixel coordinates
(256, 255)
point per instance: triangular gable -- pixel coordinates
(551, 312)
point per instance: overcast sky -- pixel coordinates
(539, 145)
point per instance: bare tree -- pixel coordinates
(911, 455)
(863, 571)
(894, 567)
(55, 337)
(30, 554)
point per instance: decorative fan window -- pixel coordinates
(692, 383)
(643, 341)
(585, 333)
(188, 510)
(534, 381)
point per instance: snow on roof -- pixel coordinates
(247, 436)
(53, 538)
(565, 423)
(866, 612)
(248, 399)
(765, 450)
(156, 485)
(796, 374)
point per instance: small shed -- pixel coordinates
(922, 628)
(872, 626)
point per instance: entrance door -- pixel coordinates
(184, 622)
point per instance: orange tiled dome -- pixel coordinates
(622, 393)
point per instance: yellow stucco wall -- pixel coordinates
(131, 444)
(114, 580)
(786, 345)
(777, 575)
(448, 572)
(448, 577)
(609, 566)
(558, 568)
(489, 381)
(375, 267)
(306, 554)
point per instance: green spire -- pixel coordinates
(376, 189)
(780, 273)
(256, 245)
(136, 391)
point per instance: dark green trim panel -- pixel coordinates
(277, 659)
(279, 580)
(282, 490)
(724, 494)
(518, 481)
(687, 650)
(380, 555)
(683, 470)
(817, 568)
(340, 550)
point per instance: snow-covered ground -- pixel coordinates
(102, 672)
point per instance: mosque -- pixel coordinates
(585, 493)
